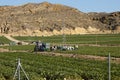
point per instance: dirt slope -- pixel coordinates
(53, 19)
(14, 40)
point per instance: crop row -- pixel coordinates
(102, 39)
(84, 50)
(56, 68)
(4, 40)
(95, 50)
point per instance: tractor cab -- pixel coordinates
(41, 46)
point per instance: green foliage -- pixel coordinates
(95, 50)
(109, 43)
(84, 50)
(4, 40)
(83, 41)
(19, 47)
(39, 67)
(101, 39)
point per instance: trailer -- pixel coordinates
(41, 46)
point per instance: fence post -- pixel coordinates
(109, 66)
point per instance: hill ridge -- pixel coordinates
(50, 19)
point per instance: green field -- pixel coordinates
(84, 50)
(39, 66)
(98, 51)
(93, 50)
(100, 39)
(19, 47)
(4, 40)
(109, 43)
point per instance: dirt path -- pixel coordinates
(13, 39)
(91, 57)
(78, 56)
(3, 50)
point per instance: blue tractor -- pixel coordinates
(40, 46)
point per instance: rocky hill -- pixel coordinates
(55, 19)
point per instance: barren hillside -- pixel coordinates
(53, 19)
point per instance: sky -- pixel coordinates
(81, 5)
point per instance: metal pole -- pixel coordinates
(17, 72)
(19, 69)
(24, 72)
(109, 58)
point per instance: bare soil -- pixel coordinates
(78, 56)
(3, 50)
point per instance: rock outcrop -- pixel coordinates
(55, 19)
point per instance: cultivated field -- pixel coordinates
(99, 39)
(51, 67)
(39, 66)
